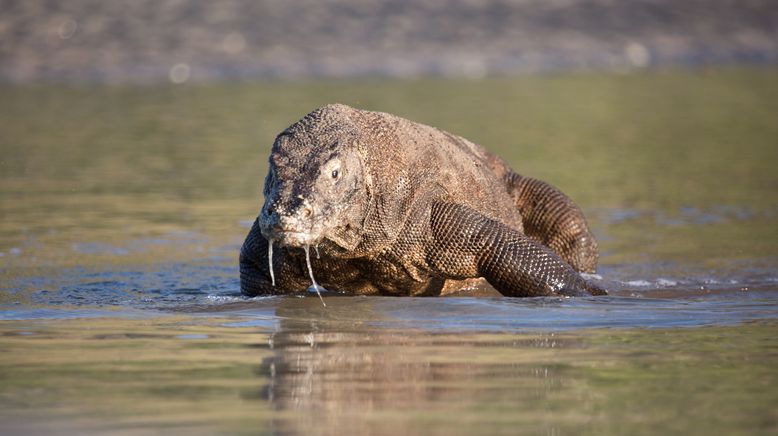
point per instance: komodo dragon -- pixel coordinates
(395, 207)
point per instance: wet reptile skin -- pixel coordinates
(399, 208)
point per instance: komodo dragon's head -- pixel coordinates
(315, 189)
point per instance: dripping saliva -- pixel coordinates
(270, 261)
(310, 273)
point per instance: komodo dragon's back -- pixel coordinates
(401, 208)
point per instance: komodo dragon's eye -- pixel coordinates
(335, 174)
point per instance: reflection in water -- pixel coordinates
(337, 371)
(351, 376)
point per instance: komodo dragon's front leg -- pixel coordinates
(466, 244)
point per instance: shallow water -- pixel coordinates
(123, 210)
(315, 372)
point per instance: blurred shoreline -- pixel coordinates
(110, 41)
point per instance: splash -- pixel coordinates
(310, 273)
(270, 261)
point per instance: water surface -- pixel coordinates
(123, 209)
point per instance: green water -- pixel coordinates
(78, 163)
(122, 210)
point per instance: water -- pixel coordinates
(123, 210)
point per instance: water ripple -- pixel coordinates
(209, 289)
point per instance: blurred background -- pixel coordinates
(151, 41)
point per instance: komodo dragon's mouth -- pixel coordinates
(295, 239)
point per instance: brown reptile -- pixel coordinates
(395, 207)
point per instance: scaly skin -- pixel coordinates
(400, 208)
